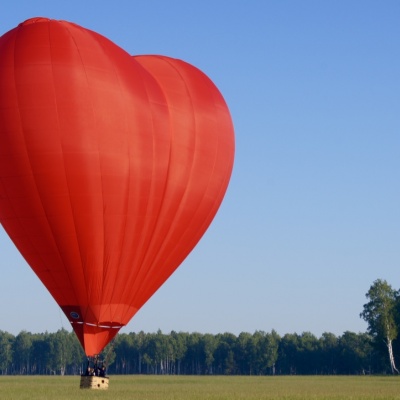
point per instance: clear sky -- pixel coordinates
(311, 217)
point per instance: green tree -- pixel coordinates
(209, 344)
(193, 354)
(164, 353)
(6, 344)
(180, 347)
(266, 350)
(75, 355)
(355, 353)
(124, 354)
(22, 352)
(328, 344)
(288, 354)
(309, 351)
(245, 353)
(61, 354)
(225, 354)
(41, 353)
(379, 313)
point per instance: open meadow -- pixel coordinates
(141, 387)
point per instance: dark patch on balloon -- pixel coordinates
(74, 315)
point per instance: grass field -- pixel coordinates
(205, 388)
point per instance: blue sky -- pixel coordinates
(311, 217)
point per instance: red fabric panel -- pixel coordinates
(111, 168)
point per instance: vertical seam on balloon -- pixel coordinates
(21, 128)
(145, 279)
(33, 176)
(19, 114)
(105, 270)
(80, 251)
(227, 174)
(145, 253)
(126, 205)
(58, 122)
(189, 179)
(142, 263)
(155, 283)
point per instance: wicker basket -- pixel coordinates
(94, 382)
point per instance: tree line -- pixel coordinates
(258, 353)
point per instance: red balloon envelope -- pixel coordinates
(111, 168)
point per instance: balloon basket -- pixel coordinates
(94, 382)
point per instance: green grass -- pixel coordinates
(203, 388)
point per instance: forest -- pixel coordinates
(258, 353)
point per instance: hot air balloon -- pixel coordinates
(112, 167)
